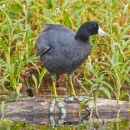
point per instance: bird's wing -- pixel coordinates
(42, 42)
(52, 35)
(41, 48)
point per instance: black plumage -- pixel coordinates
(61, 50)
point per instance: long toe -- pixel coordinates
(52, 106)
(61, 107)
(76, 98)
(69, 99)
(59, 104)
(83, 98)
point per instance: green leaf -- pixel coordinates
(30, 58)
(107, 85)
(116, 64)
(77, 12)
(91, 69)
(93, 89)
(16, 111)
(67, 19)
(29, 16)
(108, 57)
(49, 4)
(19, 2)
(16, 9)
(82, 106)
(35, 6)
(7, 17)
(106, 91)
(3, 107)
(35, 80)
(125, 30)
(101, 77)
(15, 36)
(125, 44)
(17, 24)
(115, 57)
(48, 16)
(4, 46)
(42, 73)
(89, 82)
(122, 95)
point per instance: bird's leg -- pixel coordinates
(71, 85)
(53, 78)
(56, 99)
(73, 96)
(53, 101)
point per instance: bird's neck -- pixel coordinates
(82, 36)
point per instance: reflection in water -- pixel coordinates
(61, 121)
(123, 125)
(84, 125)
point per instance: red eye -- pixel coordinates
(95, 25)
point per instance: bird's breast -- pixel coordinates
(65, 60)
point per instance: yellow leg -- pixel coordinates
(53, 78)
(71, 85)
(56, 100)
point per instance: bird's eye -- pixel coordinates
(95, 25)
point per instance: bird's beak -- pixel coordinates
(101, 32)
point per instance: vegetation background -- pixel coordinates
(106, 71)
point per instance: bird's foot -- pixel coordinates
(59, 122)
(74, 98)
(84, 98)
(60, 105)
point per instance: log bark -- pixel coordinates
(39, 111)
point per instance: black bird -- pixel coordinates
(62, 51)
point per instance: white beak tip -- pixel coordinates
(101, 32)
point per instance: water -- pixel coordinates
(122, 125)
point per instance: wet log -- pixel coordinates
(38, 111)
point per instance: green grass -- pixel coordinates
(109, 67)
